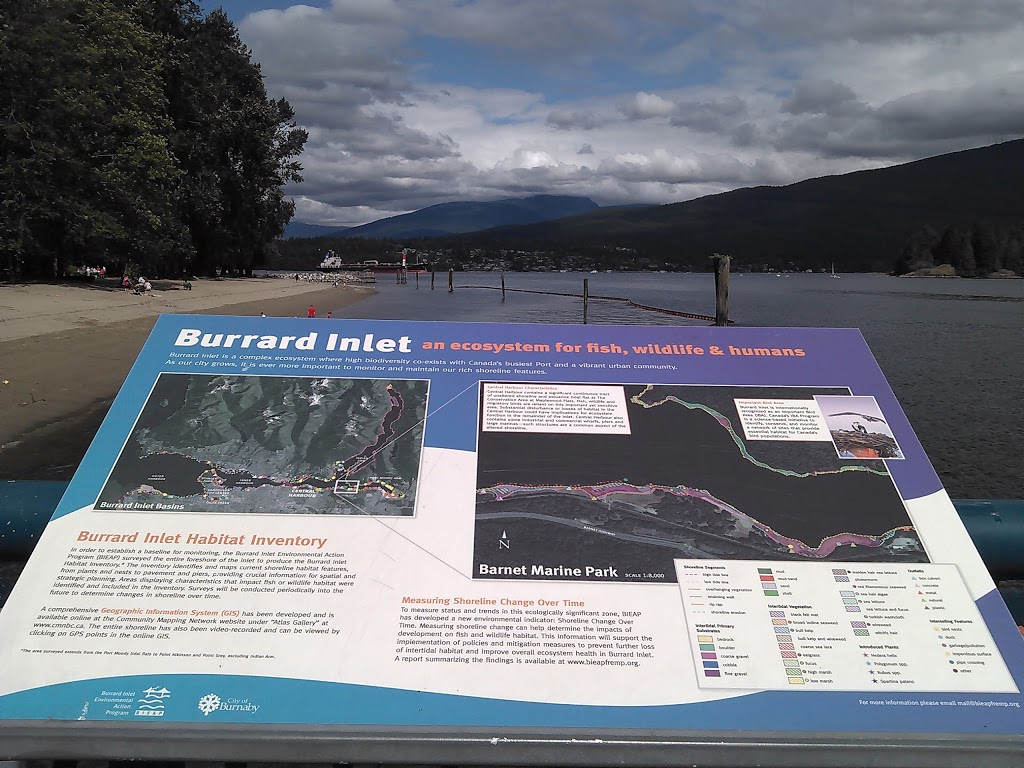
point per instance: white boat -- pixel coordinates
(834, 275)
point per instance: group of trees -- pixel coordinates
(974, 249)
(137, 132)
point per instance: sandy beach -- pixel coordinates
(65, 350)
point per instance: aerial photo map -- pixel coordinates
(685, 483)
(272, 444)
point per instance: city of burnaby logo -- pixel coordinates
(209, 703)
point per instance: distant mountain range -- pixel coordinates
(456, 218)
(857, 220)
(302, 229)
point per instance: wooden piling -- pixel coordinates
(417, 280)
(586, 298)
(502, 286)
(451, 279)
(721, 288)
(431, 278)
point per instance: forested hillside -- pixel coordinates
(857, 221)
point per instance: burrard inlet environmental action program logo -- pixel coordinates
(211, 703)
(152, 702)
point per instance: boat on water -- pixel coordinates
(834, 275)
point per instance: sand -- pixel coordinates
(65, 350)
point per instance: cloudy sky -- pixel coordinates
(412, 103)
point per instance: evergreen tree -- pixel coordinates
(954, 247)
(917, 251)
(1014, 250)
(988, 245)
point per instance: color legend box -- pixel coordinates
(768, 584)
(787, 650)
(708, 656)
(859, 627)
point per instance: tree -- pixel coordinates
(917, 251)
(987, 243)
(954, 247)
(87, 171)
(1015, 250)
(236, 146)
(146, 137)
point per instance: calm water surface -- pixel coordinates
(953, 350)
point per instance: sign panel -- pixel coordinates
(446, 525)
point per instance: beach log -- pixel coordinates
(721, 288)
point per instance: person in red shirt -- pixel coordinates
(311, 312)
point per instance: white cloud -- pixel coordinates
(527, 158)
(643, 105)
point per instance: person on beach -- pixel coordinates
(328, 314)
(263, 314)
(311, 312)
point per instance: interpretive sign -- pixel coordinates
(458, 537)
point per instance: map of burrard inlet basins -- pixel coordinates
(272, 444)
(684, 483)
